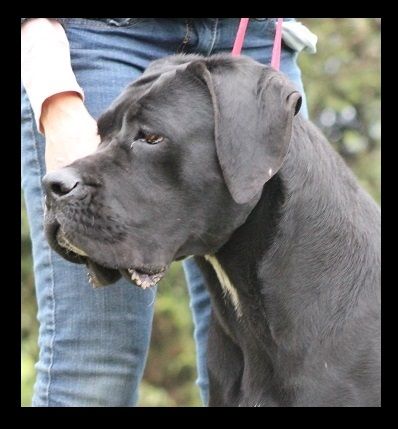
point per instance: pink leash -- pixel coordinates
(276, 50)
(240, 37)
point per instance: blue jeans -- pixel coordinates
(94, 343)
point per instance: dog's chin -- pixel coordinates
(143, 277)
(99, 274)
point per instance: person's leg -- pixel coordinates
(93, 343)
(206, 37)
(201, 309)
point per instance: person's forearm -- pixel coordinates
(45, 63)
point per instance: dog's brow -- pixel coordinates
(145, 79)
(102, 125)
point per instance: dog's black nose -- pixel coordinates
(60, 183)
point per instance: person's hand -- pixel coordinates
(70, 131)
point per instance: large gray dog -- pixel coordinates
(206, 157)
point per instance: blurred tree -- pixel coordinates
(29, 328)
(342, 83)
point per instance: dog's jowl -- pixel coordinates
(210, 157)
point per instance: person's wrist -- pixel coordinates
(60, 106)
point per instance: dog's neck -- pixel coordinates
(285, 252)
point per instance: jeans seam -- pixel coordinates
(186, 38)
(214, 31)
(51, 294)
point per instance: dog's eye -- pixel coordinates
(150, 138)
(153, 138)
(147, 137)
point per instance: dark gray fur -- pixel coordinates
(303, 251)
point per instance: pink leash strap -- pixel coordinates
(276, 50)
(240, 37)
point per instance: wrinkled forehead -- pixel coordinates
(127, 102)
(164, 95)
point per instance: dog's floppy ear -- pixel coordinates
(254, 106)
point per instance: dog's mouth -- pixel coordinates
(100, 275)
(143, 278)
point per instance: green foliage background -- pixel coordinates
(342, 82)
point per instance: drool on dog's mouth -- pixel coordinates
(100, 275)
(67, 245)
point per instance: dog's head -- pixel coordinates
(185, 152)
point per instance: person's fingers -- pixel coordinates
(60, 153)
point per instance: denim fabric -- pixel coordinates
(94, 343)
